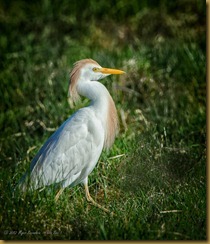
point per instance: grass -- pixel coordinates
(154, 176)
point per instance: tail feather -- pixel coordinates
(23, 183)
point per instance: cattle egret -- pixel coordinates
(72, 152)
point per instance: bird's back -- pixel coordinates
(70, 154)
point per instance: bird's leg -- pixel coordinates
(58, 194)
(90, 199)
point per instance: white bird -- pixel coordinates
(72, 152)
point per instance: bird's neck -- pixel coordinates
(104, 108)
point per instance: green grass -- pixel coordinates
(154, 176)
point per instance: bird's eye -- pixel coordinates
(95, 69)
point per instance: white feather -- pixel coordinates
(71, 153)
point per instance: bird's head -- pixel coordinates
(92, 71)
(88, 70)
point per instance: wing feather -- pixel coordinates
(70, 153)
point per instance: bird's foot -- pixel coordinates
(90, 200)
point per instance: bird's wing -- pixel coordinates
(69, 151)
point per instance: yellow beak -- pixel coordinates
(111, 71)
